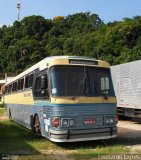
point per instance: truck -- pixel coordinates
(127, 85)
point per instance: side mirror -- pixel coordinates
(43, 82)
(44, 91)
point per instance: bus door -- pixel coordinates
(41, 95)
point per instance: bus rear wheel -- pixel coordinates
(37, 126)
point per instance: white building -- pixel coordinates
(2, 82)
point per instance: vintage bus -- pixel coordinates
(65, 99)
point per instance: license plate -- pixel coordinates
(89, 121)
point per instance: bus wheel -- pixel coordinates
(37, 126)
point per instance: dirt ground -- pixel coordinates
(3, 118)
(131, 130)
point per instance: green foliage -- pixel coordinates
(34, 38)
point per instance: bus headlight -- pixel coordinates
(68, 122)
(71, 122)
(65, 123)
(109, 120)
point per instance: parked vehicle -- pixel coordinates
(64, 99)
(127, 84)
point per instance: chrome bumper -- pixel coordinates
(82, 135)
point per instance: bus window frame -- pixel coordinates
(27, 86)
(39, 74)
(14, 86)
(22, 88)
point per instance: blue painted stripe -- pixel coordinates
(46, 103)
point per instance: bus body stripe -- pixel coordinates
(69, 105)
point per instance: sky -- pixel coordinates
(108, 10)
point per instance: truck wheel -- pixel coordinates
(124, 118)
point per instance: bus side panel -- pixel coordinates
(25, 114)
(20, 106)
(22, 114)
(22, 97)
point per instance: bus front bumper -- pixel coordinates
(83, 134)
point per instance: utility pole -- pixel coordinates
(18, 5)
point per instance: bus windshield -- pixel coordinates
(73, 81)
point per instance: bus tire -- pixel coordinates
(37, 126)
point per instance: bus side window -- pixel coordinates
(10, 88)
(14, 88)
(20, 84)
(6, 89)
(105, 86)
(26, 81)
(29, 81)
(41, 87)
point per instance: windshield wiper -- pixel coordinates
(86, 89)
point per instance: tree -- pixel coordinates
(33, 38)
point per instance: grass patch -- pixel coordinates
(2, 111)
(19, 140)
(93, 149)
(39, 157)
(15, 139)
(1, 105)
(86, 154)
